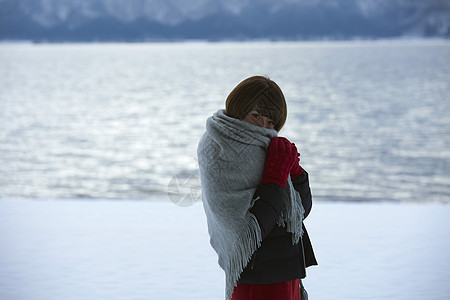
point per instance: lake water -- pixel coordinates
(121, 121)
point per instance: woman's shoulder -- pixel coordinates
(209, 151)
(207, 145)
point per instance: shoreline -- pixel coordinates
(134, 249)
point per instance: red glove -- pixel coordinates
(279, 160)
(296, 170)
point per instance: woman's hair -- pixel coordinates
(260, 93)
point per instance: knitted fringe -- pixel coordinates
(246, 243)
(292, 217)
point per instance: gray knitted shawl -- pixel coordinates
(231, 156)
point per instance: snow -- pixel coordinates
(146, 250)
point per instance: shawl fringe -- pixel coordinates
(247, 244)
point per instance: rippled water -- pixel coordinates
(119, 121)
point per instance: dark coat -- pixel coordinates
(277, 259)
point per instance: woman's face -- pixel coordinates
(256, 118)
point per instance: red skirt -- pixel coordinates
(287, 290)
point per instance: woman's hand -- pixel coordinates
(296, 170)
(281, 156)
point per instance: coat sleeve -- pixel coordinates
(269, 200)
(301, 185)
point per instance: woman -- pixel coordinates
(255, 195)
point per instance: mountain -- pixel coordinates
(140, 20)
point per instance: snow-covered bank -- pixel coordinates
(144, 250)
